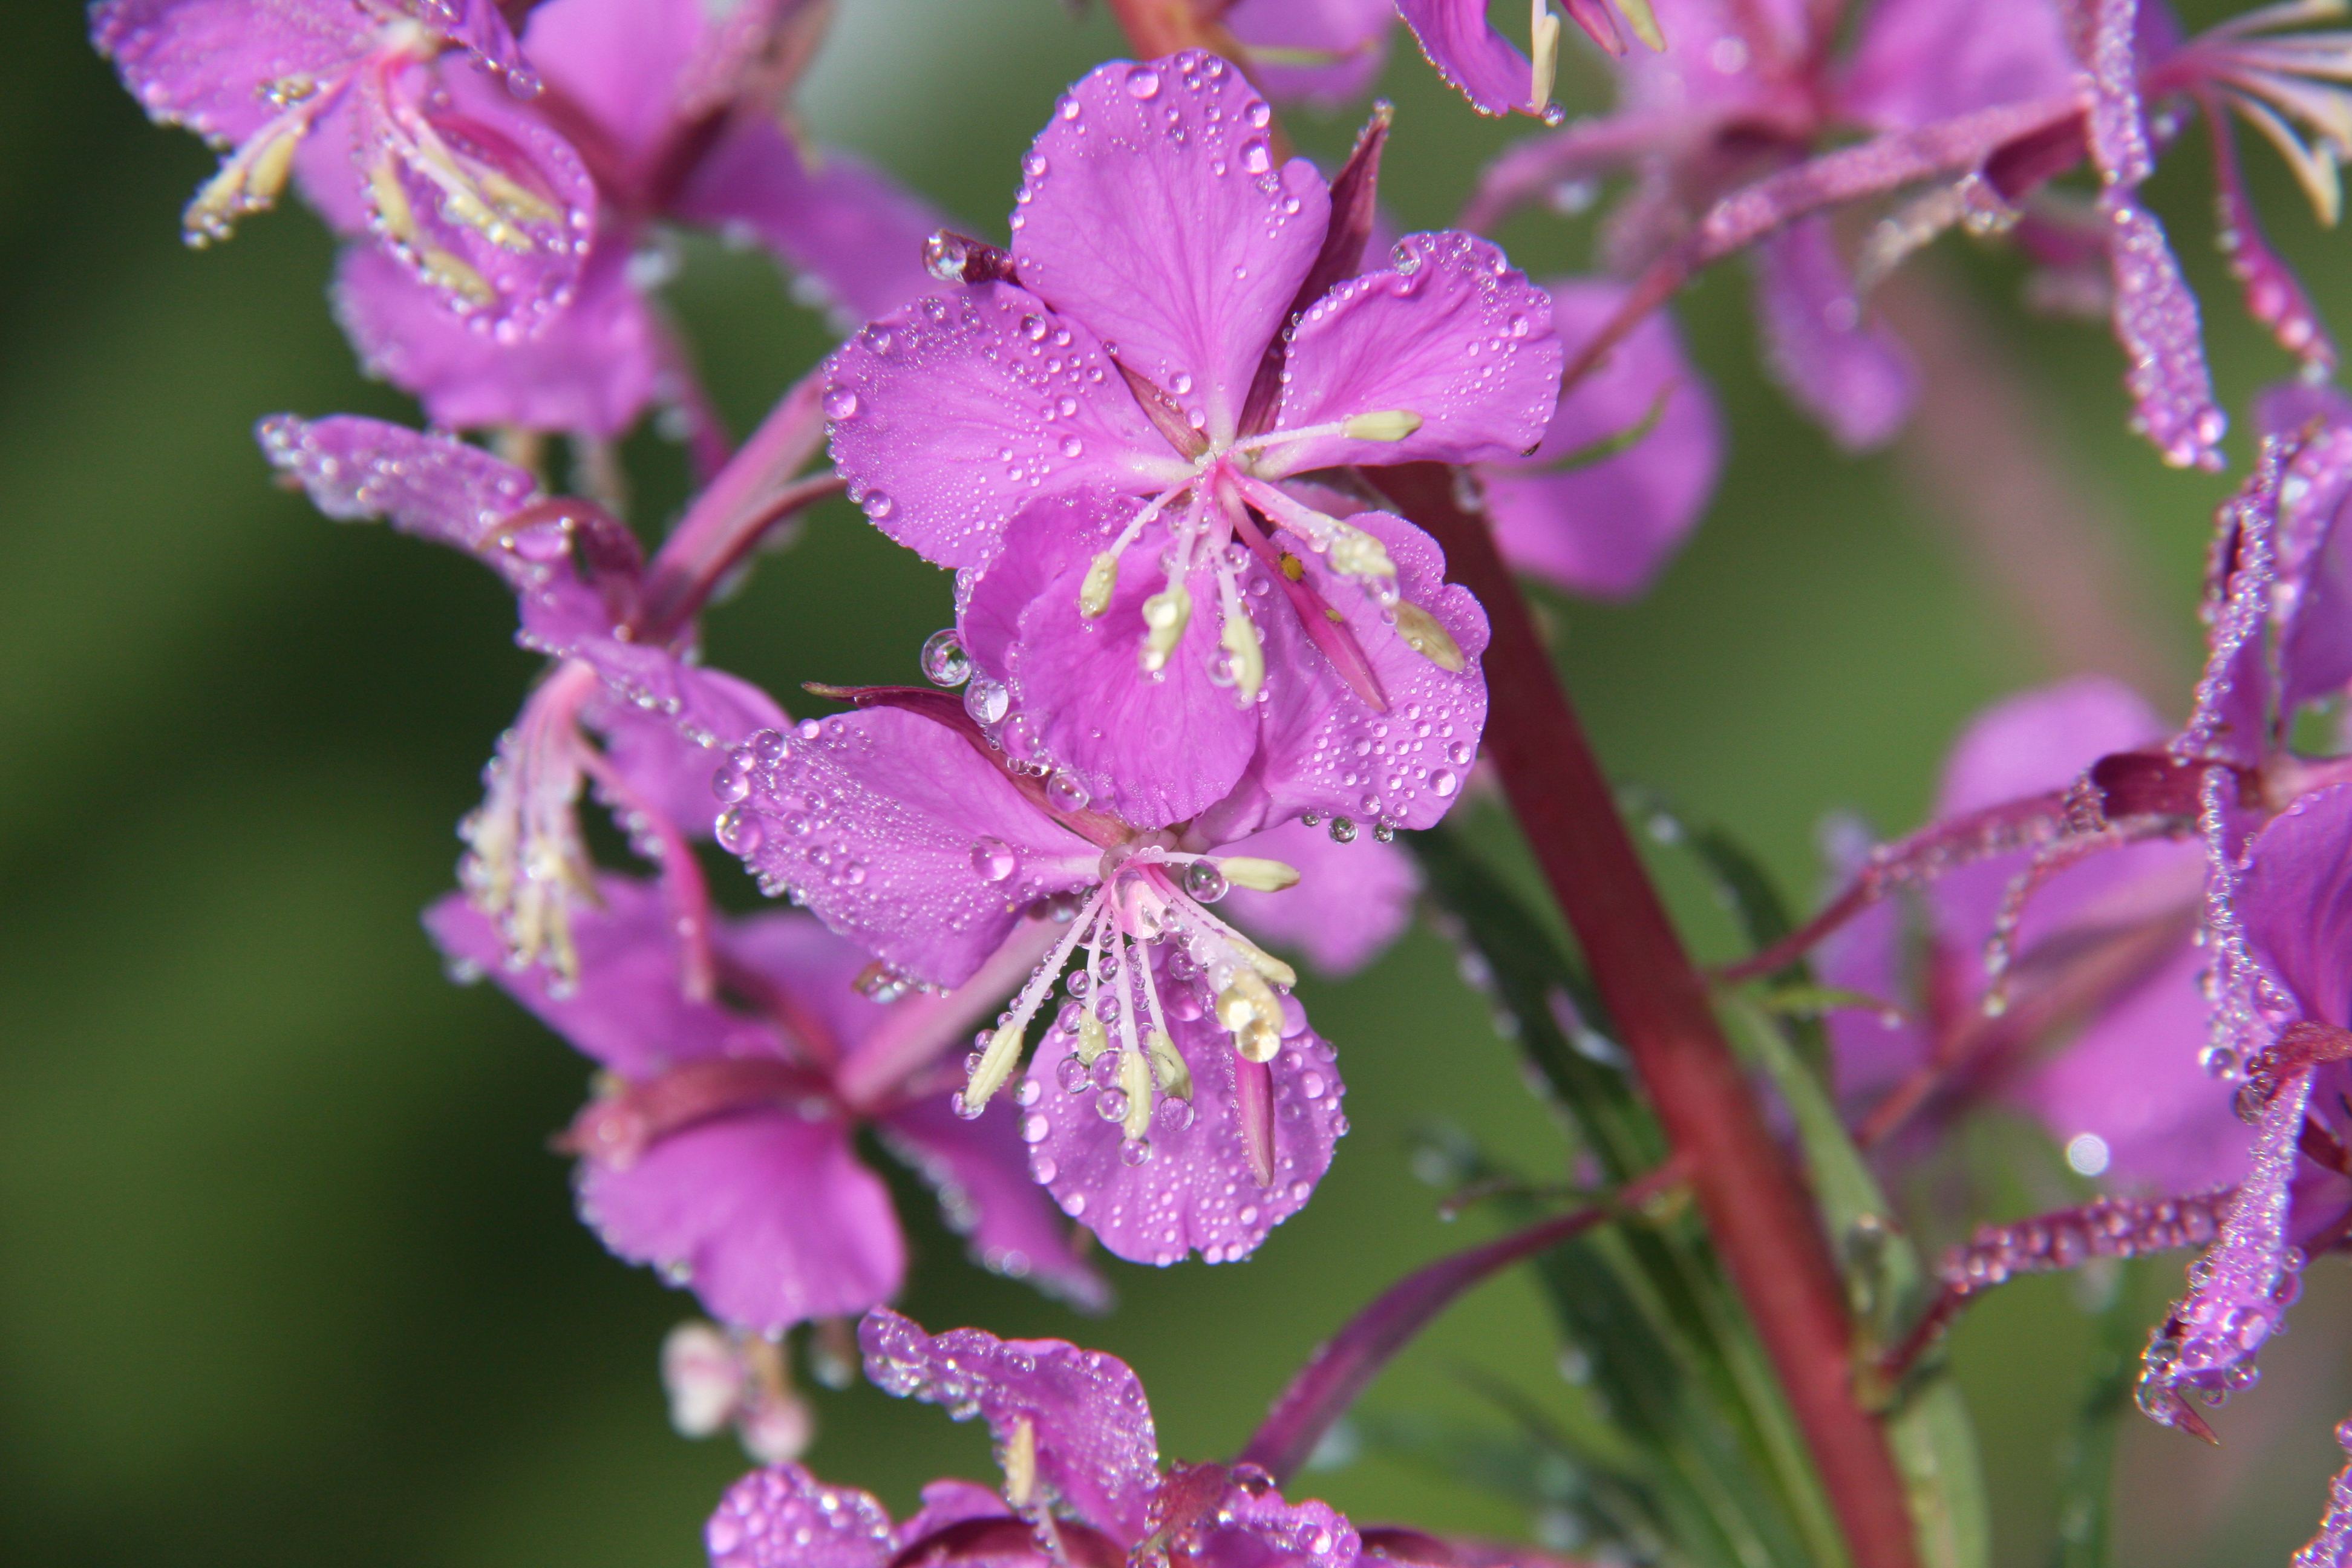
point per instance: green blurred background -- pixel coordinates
(286, 1275)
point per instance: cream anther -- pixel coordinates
(1390, 424)
(1020, 1462)
(1543, 55)
(1426, 638)
(1262, 875)
(1167, 1066)
(1102, 578)
(1135, 1083)
(1165, 615)
(996, 1065)
(1355, 553)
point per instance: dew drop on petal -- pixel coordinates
(1143, 82)
(994, 859)
(944, 660)
(840, 402)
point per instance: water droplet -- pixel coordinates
(840, 402)
(739, 831)
(1068, 791)
(994, 859)
(1173, 1115)
(987, 700)
(1035, 1128)
(1142, 81)
(1443, 784)
(1111, 1104)
(1134, 1151)
(943, 658)
(1071, 1074)
(1204, 882)
(1257, 156)
(728, 785)
(876, 505)
(1073, 448)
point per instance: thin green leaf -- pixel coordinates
(2087, 1457)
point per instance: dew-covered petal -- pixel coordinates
(1848, 374)
(669, 773)
(1475, 61)
(2295, 902)
(1154, 208)
(1351, 902)
(2118, 124)
(1256, 1528)
(2315, 550)
(568, 619)
(980, 1168)
(435, 487)
(852, 235)
(783, 1517)
(948, 416)
(208, 64)
(1452, 333)
(1323, 51)
(591, 369)
(2235, 712)
(1606, 529)
(873, 822)
(1918, 61)
(2156, 321)
(1154, 749)
(1197, 1192)
(1328, 751)
(766, 1214)
(1096, 1448)
(627, 1011)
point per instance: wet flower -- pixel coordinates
(399, 118)
(1178, 328)
(721, 1145)
(1178, 1100)
(1082, 1479)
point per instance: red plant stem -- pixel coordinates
(1350, 1359)
(1757, 1210)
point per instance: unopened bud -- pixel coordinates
(1426, 638)
(1261, 875)
(1135, 1083)
(1102, 578)
(1165, 615)
(1388, 425)
(1167, 1066)
(996, 1065)
(1240, 640)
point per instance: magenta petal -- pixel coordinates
(948, 416)
(1096, 1448)
(627, 1010)
(434, 487)
(766, 1214)
(669, 774)
(2295, 902)
(783, 1517)
(980, 1169)
(840, 224)
(1476, 62)
(1255, 1526)
(591, 369)
(1154, 208)
(1351, 902)
(2118, 127)
(2156, 321)
(1607, 529)
(2315, 548)
(1918, 61)
(1326, 749)
(1850, 375)
(205, 64)
(1197, 1192)
(1155, 750)
(619, 61)
(567, 619)
(1325, 51)
(1454, 334)
(818, 971)
(877, 822)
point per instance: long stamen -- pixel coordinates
(1003, 1053)
(1102, 574)
(1134, 1072)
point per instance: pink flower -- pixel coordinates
(393, 114)
(1082, 1480)
(1178, 1101)
(1124, 509)
(721, 1146)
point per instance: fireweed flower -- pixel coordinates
(1080, 1458)
(401, 119)
(2101, 1016)
(1097, 425)
(620, 630)
(671, 105)
(1178, 1102)
(1976, 112)
(721, 1145)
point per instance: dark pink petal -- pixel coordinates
(1475, 61)
(2156, 321)
(1324, 51)
(782, 1517)
(766, 1214)
(1850, 374)
(953, 1501)
(620, 61)
(567, 619)
(1606, 529)
(1253, 1526)
(1198, 1190)
(948, 416)
(880, 822)
(1454, 334)
(434, 487)
(1328, 751)
(795, 955)
(2295, 903)
(980, 1169)
(1154, 210)
(207, 64)
(1154, 751)
(1351, 902)
(2315, 557)
(627, 1010)
(1922, 61)
(849, 232)
(591, 370)
(1095, 1448)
